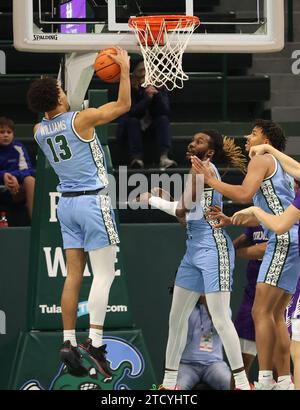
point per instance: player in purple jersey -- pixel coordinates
(251, 245)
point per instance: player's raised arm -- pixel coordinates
(257, 170)
(290, 166)
(279, 223)
(91, 117)
(191, 195)
(245, 217)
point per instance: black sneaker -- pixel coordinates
(98, 356)
(71, 357)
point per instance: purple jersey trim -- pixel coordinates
(296, 201)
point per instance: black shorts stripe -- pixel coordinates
(105, 208)
(221, 245)
(280, 254)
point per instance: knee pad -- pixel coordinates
(248, 347)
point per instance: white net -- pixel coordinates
(162, 46)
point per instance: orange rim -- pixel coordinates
(170, 20)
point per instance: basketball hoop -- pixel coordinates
(163, 40)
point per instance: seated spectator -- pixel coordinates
(202, 360)
(16, 173)
(150, 110)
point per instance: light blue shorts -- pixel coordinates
(280, 265)
(87, 221)
(207, 267)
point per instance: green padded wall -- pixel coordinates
(37, 366)
(151, 256)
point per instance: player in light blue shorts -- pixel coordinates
(207, 265)
(281, 224)
(87, 221)
(69, 141)
(271, 189)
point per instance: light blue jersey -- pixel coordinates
(276, 194)
(84, 211)
(208, 263)
(201, 226)
(280, 264)
(79, 164)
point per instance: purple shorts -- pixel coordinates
(293, 308)
(244, 323)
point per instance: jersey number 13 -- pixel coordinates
(60, 150)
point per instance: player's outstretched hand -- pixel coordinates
(259, 150)
(144, 198)
(182, 220)
(156, 191)
(216, 216)
(243, 216)
(122, 58)
(202, 167)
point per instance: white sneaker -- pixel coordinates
(261, 386)
(278, 386)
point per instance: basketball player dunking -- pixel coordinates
(272, 190)
(69, 141)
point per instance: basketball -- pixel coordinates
(105, 68)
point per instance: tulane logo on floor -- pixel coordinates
(125, 360)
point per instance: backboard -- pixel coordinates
(90, 25)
